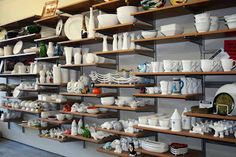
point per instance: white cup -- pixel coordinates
(207, 65)
(228, 64)
(164, 87)
(150, 90)
(168, 65)
(187, 65)
(154, 66)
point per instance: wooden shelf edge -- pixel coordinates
(210, 116)
(128, 108)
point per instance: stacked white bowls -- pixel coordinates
(202, 22)
(124, 14)
(214, 23)
(231, 21)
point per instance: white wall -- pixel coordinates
(182, 50)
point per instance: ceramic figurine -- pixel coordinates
(197, 129)
(115, 42)
(186, 121)
(132, 151)
(107, 125)
(107, 146)
(132, 44)
(219, 128)
(80, 125)
(176, 121)
(120, 42)
(50, 50)
(74, 128)
(91, 27)
(42, 76)
(125, 41)
(105, 45)
(118, 149)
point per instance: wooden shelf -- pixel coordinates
(124, 85)
(90, 95)
(210, 116)
(111, 152)
(111, 6)
(19, 75)
(26, 38)
(51, 39)
(12, 120)
(191, 153)
(56, 139)
(122, 133)
(20, 23)
(124, 28)
(146, 108)
(20, 98)
(52, 84)
(52, 20)
(77, 7)
(104, 140)
(188, 134)
(82, 41)
(100, 65)
(184, 73)
(186, 36)
(49, 59)
(54, 102)
(144, 52)
(187, 96)
(97, 115)
(24, 125)
(22, 55)
(20, 110)
(56, 121)
(39, 90)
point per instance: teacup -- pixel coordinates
(208, 65)
(228, 64)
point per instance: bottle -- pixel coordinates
(50, 50)
(105, 45)
(132, 44)
(74, 130)
(125, 41)
(115, 43)
(91, 27)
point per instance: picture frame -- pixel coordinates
(49, 9)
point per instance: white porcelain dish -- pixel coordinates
(108, 100)
(172, 29)
(18, 47)
(149, 34)
(202, 26)
(124, 14)
(106, 20)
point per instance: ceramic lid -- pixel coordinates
(176, 115)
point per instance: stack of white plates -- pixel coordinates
(154, 146)
(231, 21)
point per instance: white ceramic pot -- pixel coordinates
(124, 14)
(107, 20)
(203, 26)
(108, 100)
(176, 121)
(68, 54)
(77, 56)
(50, 50)
(149, 34)
(164, 87)
(56, 74)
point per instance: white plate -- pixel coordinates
(18, 47)
(59, 27)
(73, 27)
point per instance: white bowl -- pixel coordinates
(202, 19)
(214, 19)
(107, 20)
(202, 26)
(93, 111)
(108, 100)
(149, 34)
(231, 20)
(152, 121)
(60, 117)
(126, 99)
(143, 120)
(231, 25)
(214, 27)
(202, 15)
(164, 122)
(228, 17)
(172, 32)
(124, 14)
(69, 116)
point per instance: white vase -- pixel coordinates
(91, 27)
(80, 125)
(73, 75)
(125, 41)
(176, 121)
(42, 76)
(186, 121)
(115, 42)
(65, 75)
(138, 46)
(56, 74)
(105, 45)
(74, 128)
(68, 54)
(50, 50)
(120, 42)
(132, 44)
(77, 57)
(85, 51)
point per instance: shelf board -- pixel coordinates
(19, 75)
(104, 140)
(18, 120)
(111, 6)
(187, 96)
(51, 39)
(97, 115)
(210, 116)
(51, 21)
(144, 52)
(186, 36)
(122, 133)
(49, 59)
(56, 121)
(20, 110)
(146, 108)
(90, 95)
(82, 41)
(26, 38)
(39, 90)
(188, 134)
(24, 125)
(54, 102)
(100, 65)
(21, 22)
(191, 153)
(111, 152)
(18, 56)
(20, 98)
(124, 28)
(124, 85)
(52, 84)
(184, 73)
(56, 139)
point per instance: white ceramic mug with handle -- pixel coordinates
(187, 65)
(168, 65)
(164, 87)
(228, 64)
(208, 65)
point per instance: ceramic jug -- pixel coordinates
(115, 42)
(120, 42)
(68, 54)
(91, 26)
(177, 85)
(56, 74)
(186, 121)
(105, 45)
(132, 44)
(74, 130)
(77, 56)
(176, 121)
(125, 41)
(184, 90)
(50, 50)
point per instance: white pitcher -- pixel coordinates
(50, 50)
(68, 54)
(91, 26)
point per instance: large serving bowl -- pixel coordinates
(107, 20)
(108, 100)
(172, 29)
(149, 34)
(203, 26)
(124, 14)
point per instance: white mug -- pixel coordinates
(168, 65)
(187, 65)
(164, 87)
(208, 65)
(150, 90)
(228, 64)
(154, 66)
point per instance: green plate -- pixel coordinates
(226, 100)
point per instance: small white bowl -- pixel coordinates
(202, 26)
(149, 34)
(164, 122)
(124, 14)
(93, 111)
(107, 20)
(69, 116)
(60, 117)
(108, 100)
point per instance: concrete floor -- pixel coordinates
(14, 149)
